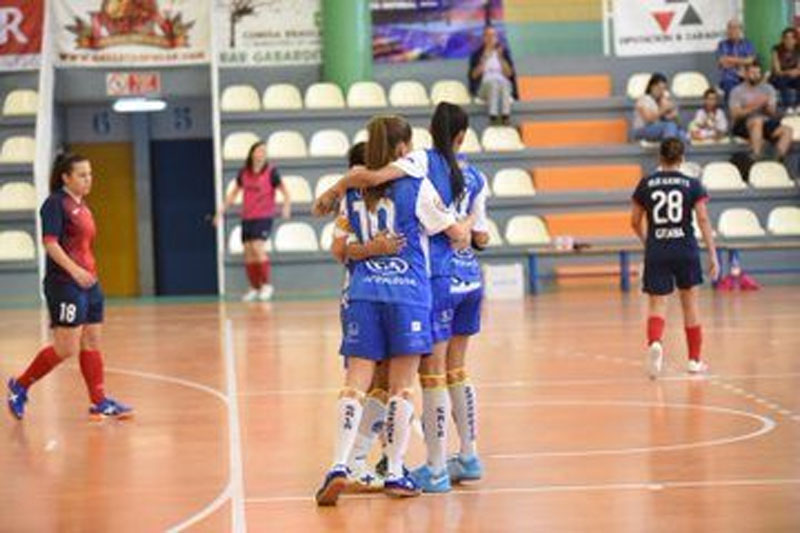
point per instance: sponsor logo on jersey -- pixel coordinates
(416, 326)
(387, 266)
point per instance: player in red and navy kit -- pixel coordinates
(259, 181)
(672, 257)
(73, 293)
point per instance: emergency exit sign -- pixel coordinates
(133, 83)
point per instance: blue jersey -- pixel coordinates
(465, 263)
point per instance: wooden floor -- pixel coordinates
(235, 405)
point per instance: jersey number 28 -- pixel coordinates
(671, 202)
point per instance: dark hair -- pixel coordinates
(355, 156)
(384, 133)
(63, 164)
(791, 30)
(709, 92)
(654, 80)
(448, 121)
(248, 163)
(671, 150)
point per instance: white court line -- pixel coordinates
(236, 472)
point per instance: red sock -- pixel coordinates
(45, 361)
(92, 370)
(655, 329)
(253, 274)
(694, 340)
(266, 271)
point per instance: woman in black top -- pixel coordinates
(786, 70)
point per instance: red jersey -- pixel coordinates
(71, 224)
(259, 192)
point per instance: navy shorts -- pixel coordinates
(466, 308)
(379, 331)
(257, 229)
(662, 274)
(442, 312)
(72, 306)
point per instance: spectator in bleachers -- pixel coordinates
(733, 55)
(656, 114)
(786, 70)
(710, 123)
(754, 113)
(492, 77)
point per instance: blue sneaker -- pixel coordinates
(430, 481)
(17, 398)
(335, 482)
(110, 408)
(460, 469)
(401, 487)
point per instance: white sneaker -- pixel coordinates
(697, 367)
(250, 296)
(655, 359)
(265, 294)
(364, 479)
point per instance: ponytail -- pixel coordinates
(449, 120)
(63, 164)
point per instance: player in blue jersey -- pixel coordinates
(667, 199)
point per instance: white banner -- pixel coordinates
(131, 32)
(255, 33)
(650, 27)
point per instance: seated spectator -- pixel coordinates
(733, 54)
(492, 77)
(656, 115)
(786, 70)
(754, 113)
(710, 123)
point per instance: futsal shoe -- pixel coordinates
(362, 479)
(401, 487)
(17, 398)
(429, 481)
(265, 293)
(461, 469)
(382, 466)
(335, 482)
(697, 367)
(655, 359)
(251, 295)
(110, 408)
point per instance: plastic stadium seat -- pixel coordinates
(637, 84)
(495, 239)
(421, 139)
(511, 182)
(739, 222)
(21, 102)
(286, 143)
(328, 143)
(770, 175)
(408, 93)
(784, 221)
(282, 96)
(325, 182)
(237, 145)
(690, 84)
(794, 123)
(324, 96)
(296, 237)
(326, 236)
(526, 230)
(452, 91)
(16, 246)
(299, 190)
(17, 196)
(366, 94)
(360, 136)
(239, 98)
(229, 188)
(501, 139)
(18, 149)
(471, 144)
(722, 176)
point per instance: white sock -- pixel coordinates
(465, 413)
(348, 417)
(435, 406)
(371, 426)
(398, 431)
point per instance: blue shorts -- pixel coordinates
(466, 310)
(257, 229)
(378, 331)
(662, 274)
(72, 306)
(442, 312)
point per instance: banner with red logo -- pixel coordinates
(131, 32)
(651, 27)
(21, 34)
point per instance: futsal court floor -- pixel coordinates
(235, 405)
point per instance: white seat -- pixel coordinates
(16, 246)
(21, 102)
(360, 136)
(526, 230)
(296, 237)
(238, 144)
(637, 84)
(794, 123)
(235, 246)
(298, 187)
(18, 149)
(421, 139)
(408, 93)
(501, 139)
(286, 143)
(511, 182)
(240, 98)
(770, 175)
(17, 196)
(328, 143)
(239, 197)
(325, 182)
(690, 84)
(366, 94)
(324, 96)
(495, 239)
(739, 222)
(471, 144)
(282, 96)
(784, 220)
(452, 91)
(326, 236)
(722, 176)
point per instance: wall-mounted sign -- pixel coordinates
(133, 83)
